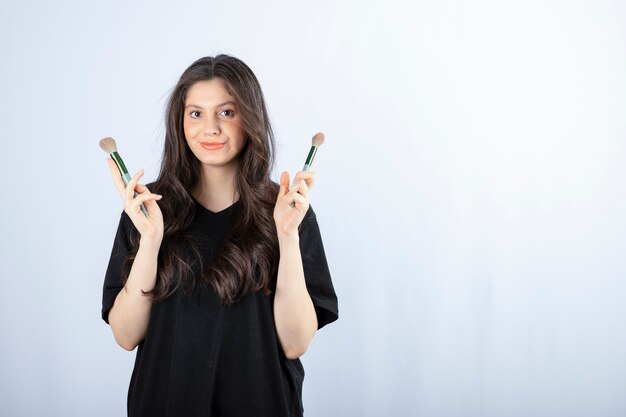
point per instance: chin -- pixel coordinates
(216, 163)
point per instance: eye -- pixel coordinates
(195, 114)
(228, 112)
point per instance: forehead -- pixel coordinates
(208, 92)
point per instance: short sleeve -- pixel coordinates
(113, 277)
(316, 272)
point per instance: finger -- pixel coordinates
(140, 188)
(130, 187)
(151, 203)
(295, 184)
(303, 189)
(117, 177)
(300, 201)
(300, 187)
(305, 176)
(146, 198)
(311, 180)
(284, 184)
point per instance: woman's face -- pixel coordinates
(212, 124)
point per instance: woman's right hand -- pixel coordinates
(151, 226)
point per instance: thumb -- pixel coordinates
(284, 184)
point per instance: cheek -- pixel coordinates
(190, 129)
(240, 142)
(241, 136)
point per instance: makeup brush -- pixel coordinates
(108, 145)
(317, 141)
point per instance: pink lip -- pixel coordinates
(211, 145)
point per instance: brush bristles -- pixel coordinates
(318, 139)
(108, 145)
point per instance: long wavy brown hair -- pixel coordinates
(248, 256)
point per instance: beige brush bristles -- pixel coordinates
(108, 145)
(318, 139)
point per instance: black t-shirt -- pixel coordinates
(200, 358)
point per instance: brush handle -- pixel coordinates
(309, 158)
(125, 175)
(308, 163)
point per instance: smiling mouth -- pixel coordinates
(212, 145)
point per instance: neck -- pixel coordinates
(216, 189)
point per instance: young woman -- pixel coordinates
(223, 285)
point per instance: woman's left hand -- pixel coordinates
(288, 218)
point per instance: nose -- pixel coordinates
(211, 126)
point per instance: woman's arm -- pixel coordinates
(130, 313)
(294, 314)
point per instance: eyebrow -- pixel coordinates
(219, 105)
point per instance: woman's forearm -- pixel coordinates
(130, 313)
(294, 313)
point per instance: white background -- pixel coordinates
(471, 193)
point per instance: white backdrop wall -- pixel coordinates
(471, 193)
